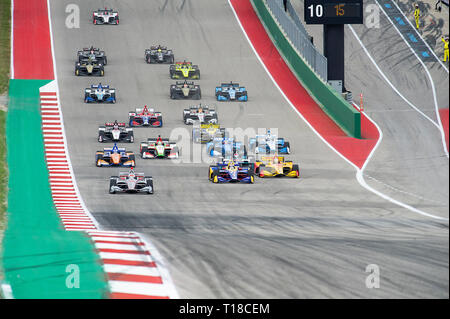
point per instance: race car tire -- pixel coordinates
(150, 183)
(296, 169)
(288, 147)
(98, 158)
(112, 182)
(100, 138)
(131, 139)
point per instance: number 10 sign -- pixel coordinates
(334, 11)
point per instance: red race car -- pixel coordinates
(145, 117)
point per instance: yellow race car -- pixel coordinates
(184, 70)
(276, 166)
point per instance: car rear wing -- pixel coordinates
(230, 84)
(210, 126)
(270, 158)
(183, 82)
(118, 124)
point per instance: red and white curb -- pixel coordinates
(133, 267)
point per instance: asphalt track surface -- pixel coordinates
(306, 238)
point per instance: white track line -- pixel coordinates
(11, 42)
(359, 172)
(415, 29)
(389, 82)
(167, 288)
(430, 78)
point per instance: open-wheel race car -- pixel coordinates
(116, 132)
(145, 117)
(202, 114)
(269, 144)
(155, 148)
(231, 92)
(131, 182)
(276, 166)
(230, 171)
(207, 132)
(105, 16)
(184, 70)
(159, 54)
(99, 93)
(114, 156)
(185, 90)
(89, 67)
(93, 54)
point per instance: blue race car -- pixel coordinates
(269, 144)
(99, 94)
(231, 92)
(231, 172)
(225, 147)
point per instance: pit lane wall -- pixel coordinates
(333, 104)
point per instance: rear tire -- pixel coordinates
(296, 168)
(112, 182)
(150, 184)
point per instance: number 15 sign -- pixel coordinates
(334, 11)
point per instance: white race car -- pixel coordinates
(105, 16)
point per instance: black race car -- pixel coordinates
(185, 90)
(89, 67)
(159, 54)
(93, 54)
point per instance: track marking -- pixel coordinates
(430, 78)
(75, 215)
(359, 172)
(420, 36)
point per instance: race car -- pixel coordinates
(226, 147)
(200, 114)
(231, 92)
(99, 93)
(184, 70)
(115, 132)
(93, 54)
(207, 132)
(89, 67)
(159, 54)
(159, 148)
(269, 144)
(276, 166)
(231, 172)
(105, 16)
(114, 156)
(185, 90)
(131, 182)
(145, 117)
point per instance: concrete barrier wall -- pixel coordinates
(346, 116)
